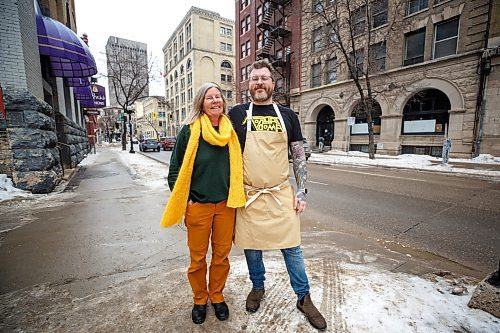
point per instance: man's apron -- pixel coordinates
(268, 221)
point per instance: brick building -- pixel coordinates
(432, 66)
(269, 29)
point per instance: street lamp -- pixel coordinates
(129, 113)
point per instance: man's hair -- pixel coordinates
(264, 64)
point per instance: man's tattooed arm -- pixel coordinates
(300, 172)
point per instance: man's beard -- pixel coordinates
(261, 96)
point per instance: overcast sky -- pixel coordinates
(148, 21)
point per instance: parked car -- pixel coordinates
(307, 150)
(149, 144)
(168, 143)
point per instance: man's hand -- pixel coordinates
(300, 202)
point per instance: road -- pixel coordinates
(447, 215)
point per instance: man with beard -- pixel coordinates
(270, 219)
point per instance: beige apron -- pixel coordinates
(268, 221)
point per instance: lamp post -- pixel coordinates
(132, 151)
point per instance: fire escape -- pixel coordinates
(277, 39)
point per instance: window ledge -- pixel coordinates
(381, 26)
(441, 3)
(416, 13)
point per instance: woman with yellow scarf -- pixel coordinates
(206, 179)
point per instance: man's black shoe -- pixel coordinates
(221, 310)
(199, 313)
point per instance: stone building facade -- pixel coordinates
(42, 130)
(428, 88)
(201, 49)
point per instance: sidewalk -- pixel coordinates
(126, 274)
(485, 166)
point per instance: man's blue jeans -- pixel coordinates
(294, 261)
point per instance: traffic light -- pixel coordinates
(154, 115)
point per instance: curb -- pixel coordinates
(152, 157)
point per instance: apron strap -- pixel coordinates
(278, 114)
(258, 191)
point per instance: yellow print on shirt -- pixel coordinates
(266, 123)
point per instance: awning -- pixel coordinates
(77, 82)
(83, 93)
(68, 54)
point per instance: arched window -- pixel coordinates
(176, 75)
(171, 79)
(426, 112)
(226, 64)
(188, 65)
(360, 126)
(182, 69)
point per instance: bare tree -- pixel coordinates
(130, 73)
(356, 32)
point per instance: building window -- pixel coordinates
(226, 64)
(249, 21)
(446, 38)
(317, 40)
(189, 78)
(318, 6)
(188, 45)
(243, 27)
(358, 20)
(243, 74)
(416, 6)
(279, 86)
(414, 47)
(226, 78)
(188, 64)
(225, 31)
(260, 40)
(379, 13)
(331, 33)
(188, 29)
(259, 14)
(243, 50)
(357, 60)
(226, 47)
(331, 70)
(228, 94)
(378, 54)
(249, 48)
(426, 112)
(316, 75)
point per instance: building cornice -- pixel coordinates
(198, 11)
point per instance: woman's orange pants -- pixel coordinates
(203, 220)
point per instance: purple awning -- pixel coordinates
(83, 93)
(68, 54)
(77, 82)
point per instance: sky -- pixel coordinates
(373, 299)
(147, 21)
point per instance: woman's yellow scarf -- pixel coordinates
(176, 206)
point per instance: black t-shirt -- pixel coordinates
(264, 118)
